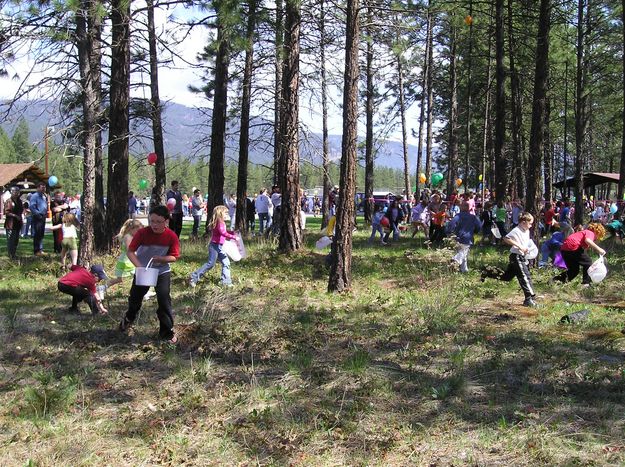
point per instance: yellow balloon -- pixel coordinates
(480, 177)
(422, 178)
(459, 181)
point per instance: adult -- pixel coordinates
(276, 201)
(159, 244)
(175, 219)
(39, 210)
(58, 207)
(573, 251)
(262, 208)
(132, 205)
(231, 204)
(250, 211)
(197, 208)
(13, 209)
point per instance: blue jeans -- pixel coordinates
(214, 253)
(263, 219)
(38, 227)
(376, 228)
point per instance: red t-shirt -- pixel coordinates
(549, 216)
(577, 240)
(79, 277)
(146, 244)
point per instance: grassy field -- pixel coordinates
(415, 366)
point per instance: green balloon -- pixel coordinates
(436, 178)
(143, 184)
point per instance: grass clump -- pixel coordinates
(49, 395)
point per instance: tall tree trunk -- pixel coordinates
(548, 149)
(565, 188)
(244, 136)
(117, 188)
(501, 166)
(341, 270)
(581, 109)
(467, 152)
(620, 189)
(539, 112)
(430, 99)
(486, 130)
(277, 109)
(516, 112)
(325, 204)
(94, 23)
(290, 231)
(156, 112)
(369, 115)
(215, 189)
(404, 130)
(84, 37)
(453, 113)
(422, 106)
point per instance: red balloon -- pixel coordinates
(384, 222)
(152, 158)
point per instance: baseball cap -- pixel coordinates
(98, 270)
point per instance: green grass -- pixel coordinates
(415, 365)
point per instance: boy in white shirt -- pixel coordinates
(519, 240)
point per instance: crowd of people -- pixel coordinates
(436, 214)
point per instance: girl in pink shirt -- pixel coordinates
(219, 235)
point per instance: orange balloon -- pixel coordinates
(468, 20)
(458, 181)
(422, 178)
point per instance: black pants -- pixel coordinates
(164, 310)
(437, 233)
(38, 227)
(175, 222)
(573, 260)
(57, 235)
(79, 294)
(517, 267)
(13, 238)
(196, 225)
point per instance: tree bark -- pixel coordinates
(117, 187)
(341, 270)
(539, 112)
(430, 100)
(581, 109)
(215, 189)
(290, 231)
(156, 112)
(620, 189)
(369, 116)
(501, 165)
(325, 203)
(244, 137)
(277, 143)
(89, 108)
(404, 130)
(453, 113)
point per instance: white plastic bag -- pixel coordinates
(532, 250)
(597, 270)
(495, 231)
(323, 242)
(241, 246)
(231, 249)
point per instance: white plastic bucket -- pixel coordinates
(146, 276)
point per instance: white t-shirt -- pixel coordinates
(276, 199)
(69, 231)
(519, 236)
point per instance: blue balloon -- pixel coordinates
(52, 181)
(613, 209)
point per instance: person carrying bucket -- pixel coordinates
(156, 246)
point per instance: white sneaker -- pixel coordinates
(149, 295)
(192, 282)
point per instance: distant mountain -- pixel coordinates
(187, 133)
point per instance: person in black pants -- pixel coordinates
(159, 245)
(175, 219)
(81, 285)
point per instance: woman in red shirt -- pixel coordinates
(574, 254)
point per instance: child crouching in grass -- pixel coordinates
(519, 240)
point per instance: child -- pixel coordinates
(395, 216)
(80, 284)
(124, 267)
(437, 225)
(69, 241)
(376, 224)
(519, 239)
(487, 224)
(219, 236)
(550, 247)
(464, 225)
(419, 217)
(574, 254)
(159, 244)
